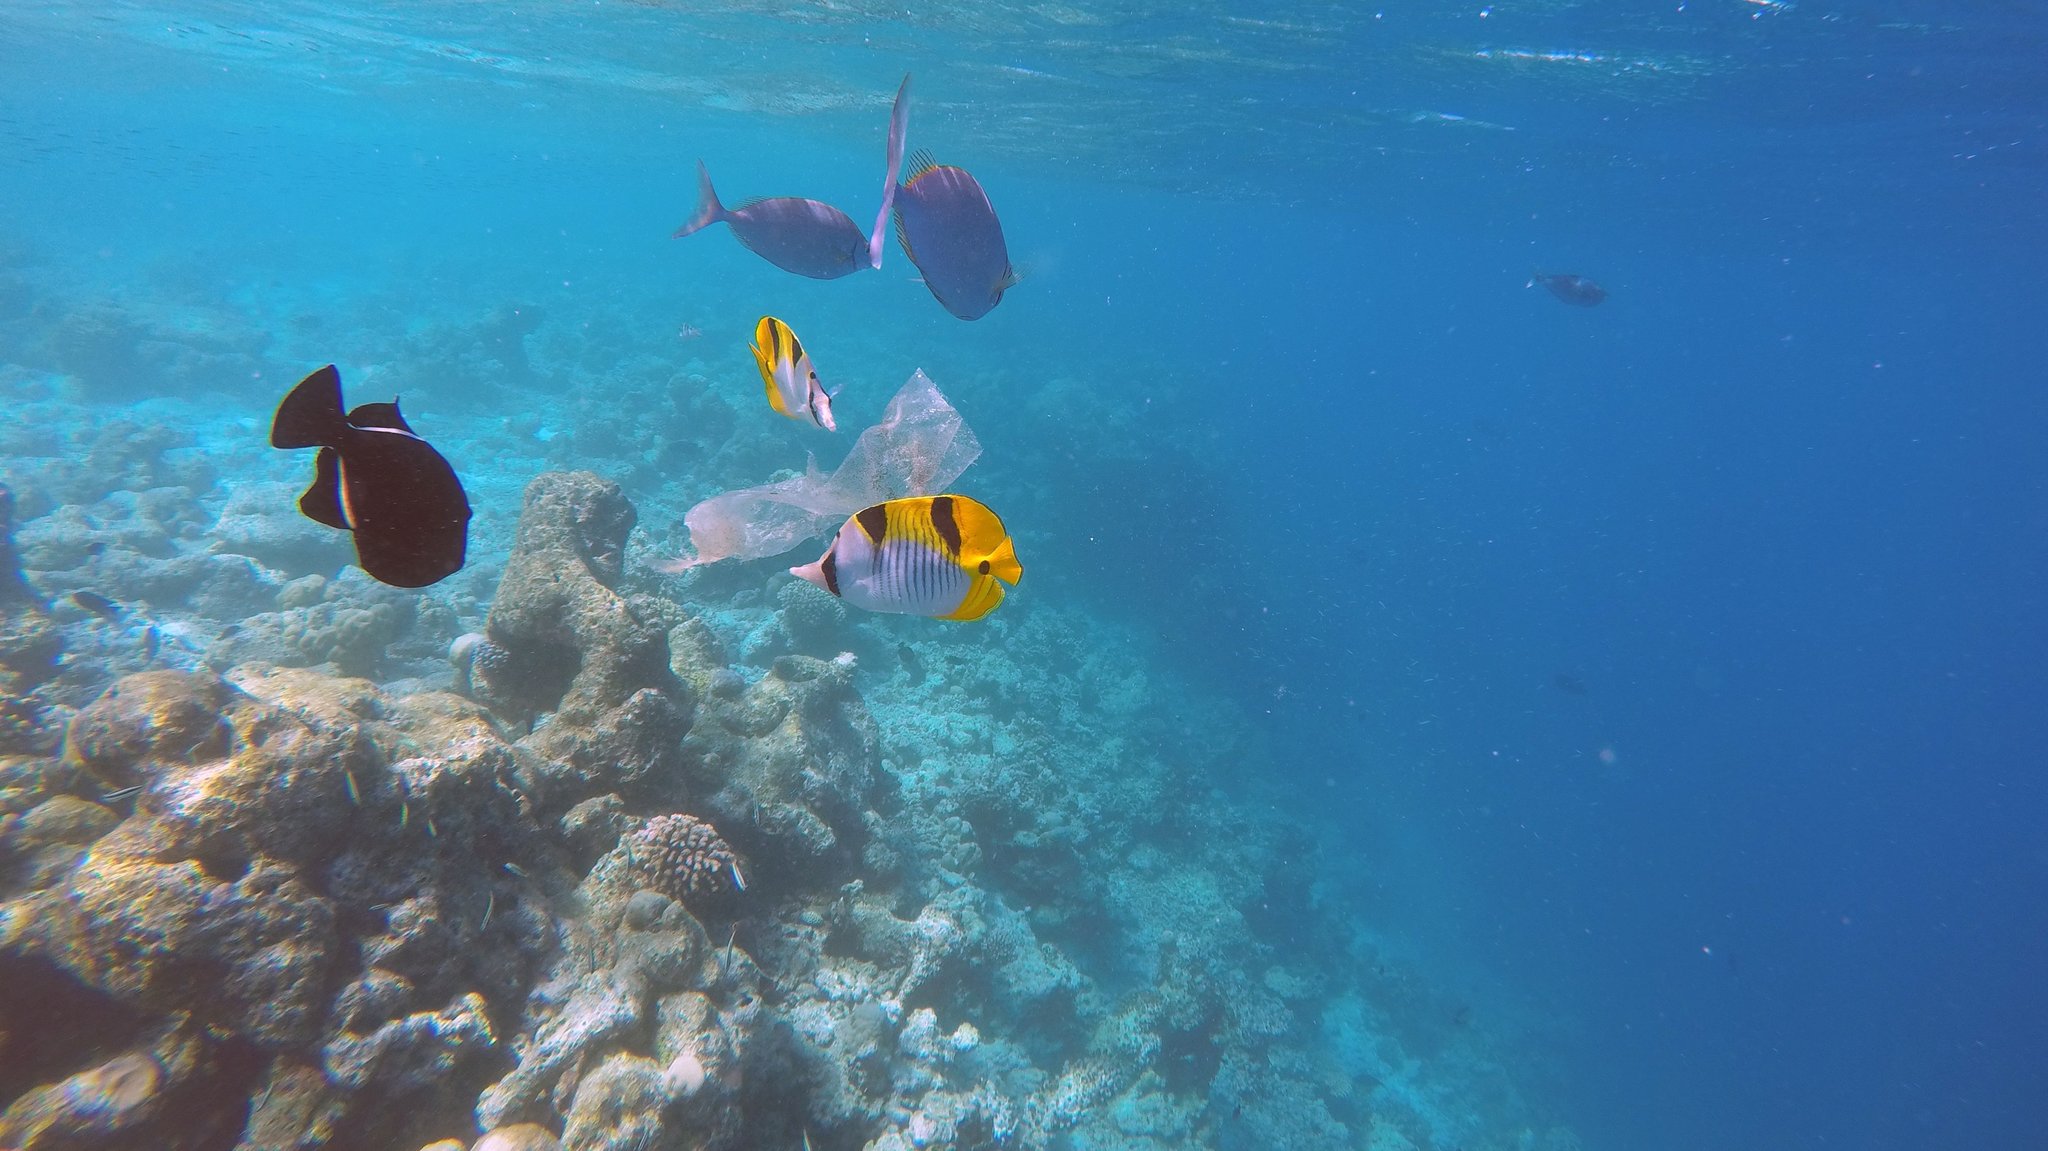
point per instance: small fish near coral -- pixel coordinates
(98, 605)
(375, 477)
(1577, 291)
(807, 237)
(945, 556)
(949, 230)
(793, 387)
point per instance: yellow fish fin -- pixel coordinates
(983, 595)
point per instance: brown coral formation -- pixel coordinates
(562, 642)
(292, 877)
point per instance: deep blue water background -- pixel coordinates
(1775, 876)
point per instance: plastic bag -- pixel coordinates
(920, 447)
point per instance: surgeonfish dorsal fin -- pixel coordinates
(920, 162)
(310, 414)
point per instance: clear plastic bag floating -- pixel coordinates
(920, 446)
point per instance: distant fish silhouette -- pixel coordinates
(375, 477)
(1568, 683)
(1575, 290)
(97, 604)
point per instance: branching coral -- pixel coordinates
(685, 858)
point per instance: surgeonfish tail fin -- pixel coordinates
(709, 210)
(310, 415)
(899, 128)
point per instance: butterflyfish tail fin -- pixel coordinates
(899, 129)
(709, 210)
(311, 415)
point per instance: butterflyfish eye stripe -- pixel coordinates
(830, 566)
(947, 527)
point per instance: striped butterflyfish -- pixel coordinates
(793, 387)
(944, 556)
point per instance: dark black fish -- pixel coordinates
(949, 230)
(377, 478)
(97, 604)
(1575, 290)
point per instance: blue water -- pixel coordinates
(1666, 676)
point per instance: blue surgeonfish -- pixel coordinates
(793, 387)
(1575, 290)
(949, 230)
(944, 556)
(375, 477)
(808, 237)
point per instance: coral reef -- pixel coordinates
(290, 877)
(872, 884)
(562, 640)
(29, 643)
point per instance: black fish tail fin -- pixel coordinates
(322, 502)
(899, 128)
(310, 415)
(709, 210)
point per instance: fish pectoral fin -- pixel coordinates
(322, 501)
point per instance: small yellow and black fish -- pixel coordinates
(377, 478)
(941, 556)
(793, 387)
